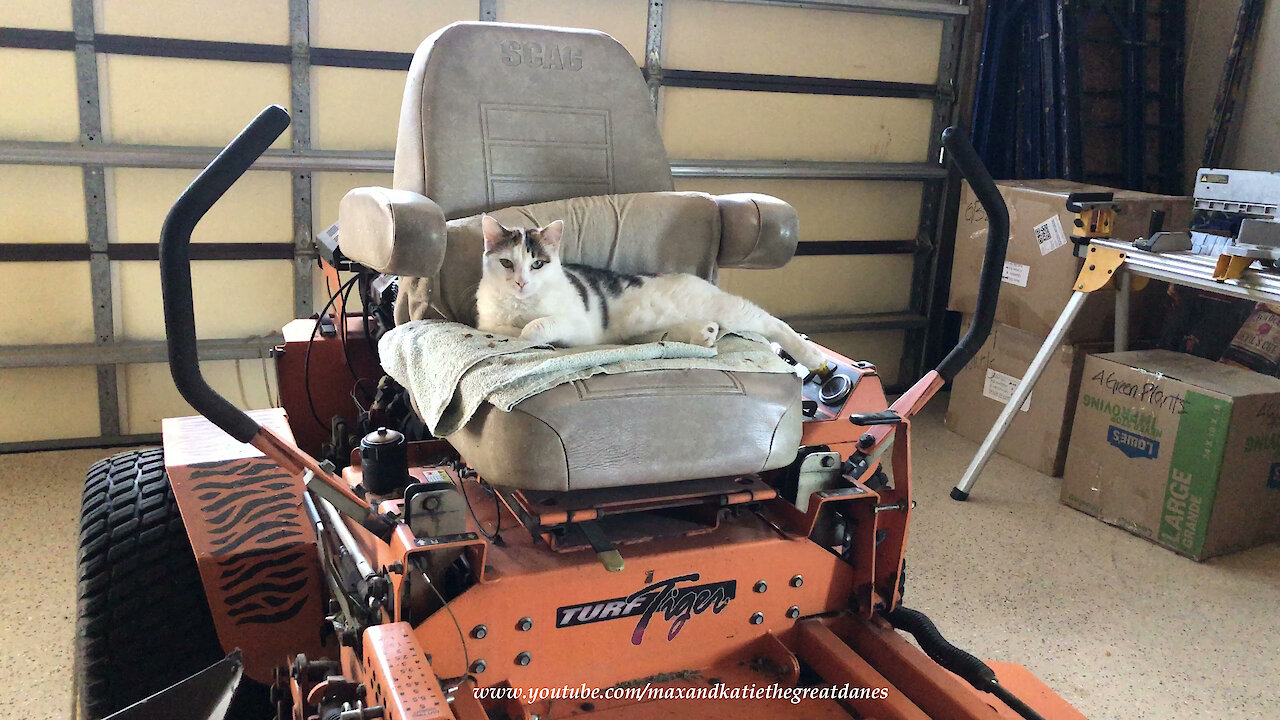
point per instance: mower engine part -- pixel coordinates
(384, 464)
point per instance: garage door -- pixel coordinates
(111, 107)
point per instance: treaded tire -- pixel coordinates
(143, 622)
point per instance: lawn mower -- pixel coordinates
(633, 545)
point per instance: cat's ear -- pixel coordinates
(551, 235)
(494, 233)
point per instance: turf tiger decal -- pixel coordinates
(251, 512)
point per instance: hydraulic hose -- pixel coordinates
(971, 669)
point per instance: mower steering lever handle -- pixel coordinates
(961, 152)
(175, 269)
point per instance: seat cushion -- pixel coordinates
(637, 428)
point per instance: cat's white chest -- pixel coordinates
(496, 308)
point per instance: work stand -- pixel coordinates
(1127, 268)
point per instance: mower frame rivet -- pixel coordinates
(797, 581)
(793, 612)
(479, 665)
(479, 632)
(757, 618)
(523, 659)
(524, 623)
(761, 586)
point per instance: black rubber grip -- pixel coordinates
(175, 269)
(966, 159)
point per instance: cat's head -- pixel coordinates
(521, 260)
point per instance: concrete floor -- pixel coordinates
(1118, 626)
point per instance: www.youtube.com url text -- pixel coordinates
(648, 691)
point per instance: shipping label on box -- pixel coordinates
(1000, 387)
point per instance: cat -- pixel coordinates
(526, 292)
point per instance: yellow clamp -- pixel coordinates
(1094, 223)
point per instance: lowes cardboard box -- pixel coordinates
(1179, 450)
(1040, 269)
(1038, 436)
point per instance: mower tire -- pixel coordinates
(143, 622)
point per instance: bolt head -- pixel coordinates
(866, 441)
(523, 659)
(479, 665)
(797, 581)
(757, 618)
(793, 612)
(524, 623)
(761, 586)
(479, 632)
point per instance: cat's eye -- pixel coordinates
(507, 264)
(537, 264)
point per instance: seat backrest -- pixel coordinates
(496, 115)
(641, 233)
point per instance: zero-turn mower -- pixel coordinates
(636, 545)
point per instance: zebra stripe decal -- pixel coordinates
(256, 533)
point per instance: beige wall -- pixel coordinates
(168, 101)
(1255, 144)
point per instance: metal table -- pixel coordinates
(1121, 262)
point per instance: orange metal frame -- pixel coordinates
(752, 598)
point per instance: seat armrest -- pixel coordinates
(397, 232)
(756, 231)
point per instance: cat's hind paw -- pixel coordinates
(704, 334)
(707, 334)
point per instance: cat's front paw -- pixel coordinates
(538, 331)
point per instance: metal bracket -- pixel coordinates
(1100, 265)
(1230, 267)
(608, 554)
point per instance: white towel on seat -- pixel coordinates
(450, 369)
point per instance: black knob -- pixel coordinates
(384, 462)
(835, 390)
(809, 408)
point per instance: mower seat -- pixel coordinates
(534, 124)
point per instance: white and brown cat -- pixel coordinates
(525, 291)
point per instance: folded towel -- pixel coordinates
(451, 369)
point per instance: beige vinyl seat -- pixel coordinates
(534, 124)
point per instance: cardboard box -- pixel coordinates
(1038, 436)
(1040, 269)
(1179, 450)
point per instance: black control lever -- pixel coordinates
(175, 269)
(960, 151)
